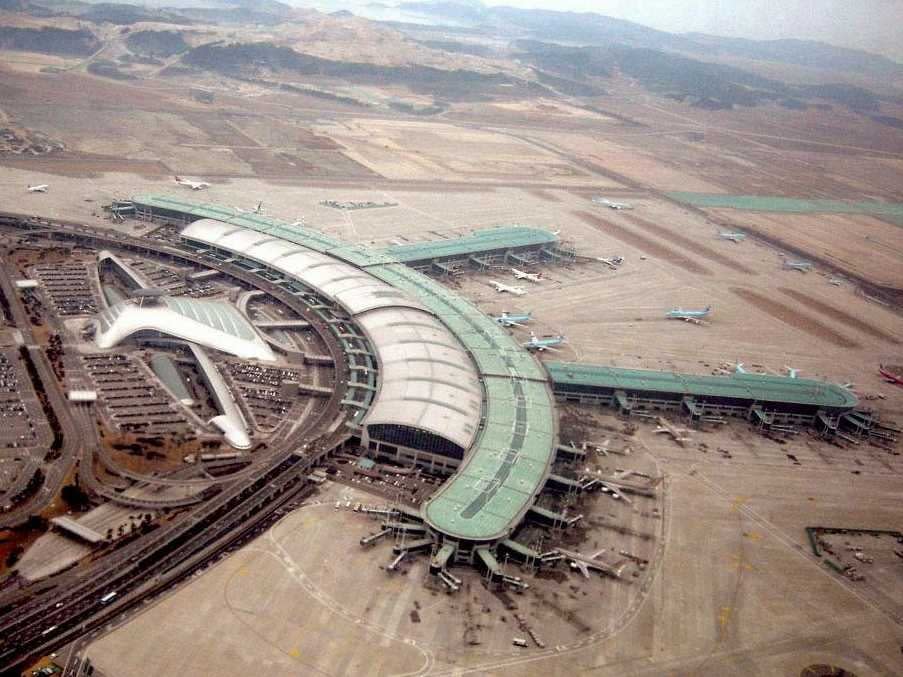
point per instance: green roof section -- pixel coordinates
(765, 203)
(509, 462)
(752, 387)
(474, 244)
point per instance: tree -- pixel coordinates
(75, 497)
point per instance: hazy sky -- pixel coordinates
(874, 25)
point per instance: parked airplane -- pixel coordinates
(802, 266)
(194, 185)
(695, 316)
(613, 262)
(609, 488)
(544, 343)
(679, 435)
(42, 188)
(257, 210)
(584, 563)
(733, 237)
(523, 275)
(611, 205)
(502, 288)
(507, 319)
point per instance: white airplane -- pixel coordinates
(257, 210)
(507, 319)
(695, 316)
(733, 237)
(609, 488)
(524, 275)
(544, 343)
(679, 435)
(502, 288)
(41, 188)
(613, 262)
(584, 563)
(802, 266)
(194, 185)
(611, 205)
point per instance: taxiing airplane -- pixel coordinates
(613, 262)
(194, 185)
(42, 188)
(257, 210)
(695, 316)
(611, 205)
(503, 288)
(733, 237)
(524, 275)
(802, 266)
(507, 319)
(544, 343)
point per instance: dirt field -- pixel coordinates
(419, 150)
(863, 245)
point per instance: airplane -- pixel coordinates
(695, 316)
(614, 490)
(194, 185)
(791, 372)
(612, 262)
(733, 237)
(506, 319)
(544, 343)
(257, 210)
(523, 275)
(41, 188)
(802, 266)
(611, 205)
(891, 374)
(584, 563)
(501, 288)
(677, 434)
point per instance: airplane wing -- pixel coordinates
(597, 553)
(581, 567)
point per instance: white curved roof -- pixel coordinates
(427, 379)
(213, 324)
(231, 422)
(341, 282)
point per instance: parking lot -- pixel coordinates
(69, 288)
(131, 401)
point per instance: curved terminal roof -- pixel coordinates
(427, 380)
(347, 285)
(421, 362)
(213, 324)
(753, 388)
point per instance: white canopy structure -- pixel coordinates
(213, 324)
